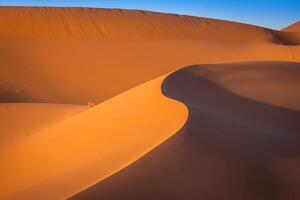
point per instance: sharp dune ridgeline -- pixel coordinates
(78, 152)
(237, 145)
(128, 104)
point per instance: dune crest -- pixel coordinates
(241, 148)
(121, 24)
(74, 154)
(104, 52)
(293, 28)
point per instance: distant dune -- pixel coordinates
(293, 28)
(123, 24)
(42, 60)
(98, 104)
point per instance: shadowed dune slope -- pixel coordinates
(49, 54)
(232, 147)
(275, 83)
(76, 153)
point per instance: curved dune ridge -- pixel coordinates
(78, 152)
(241, 147)
(96, 104)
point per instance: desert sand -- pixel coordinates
(43, 60)
(231, 147)
(129, 104)
(67, 156)
(30, 118)
(293, 28)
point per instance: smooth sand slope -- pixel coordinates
(19, 120)
(76, 153)
(49, 54)
(231, 147)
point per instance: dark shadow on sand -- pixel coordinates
(225, 151)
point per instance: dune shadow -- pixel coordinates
(11, 93)
(285, 38)
(227, 150)
(271, 130)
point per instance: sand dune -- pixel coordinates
(274, 83)
(76, 153)
(231, 147)
(85, 100)
(293, 28)
(123, 24)
(48, 51)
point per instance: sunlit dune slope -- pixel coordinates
(237, 144)
(122, 24)
(19, 120)
(49, 54)
(78, 152)
(293, 28)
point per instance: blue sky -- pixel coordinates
(274, 14)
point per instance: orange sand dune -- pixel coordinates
(76, 153)
(241, 138)
(123, 24)
(293, 28)
(232, 147)
(49, 54)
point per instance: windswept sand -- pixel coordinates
(85, 100)
(231, 147)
